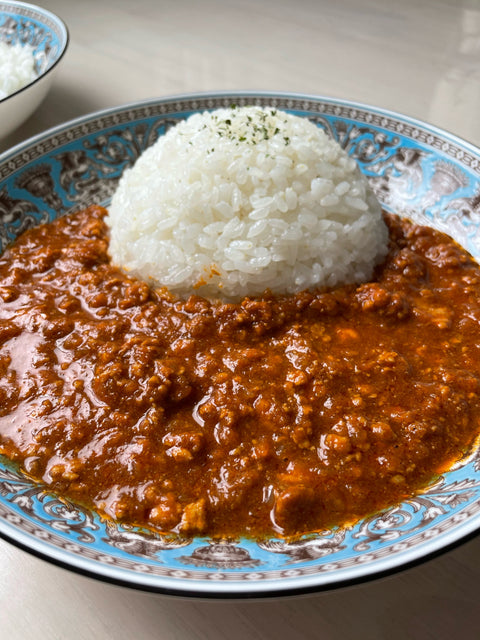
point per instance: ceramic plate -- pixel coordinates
(416, 170)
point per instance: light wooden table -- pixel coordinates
(418, 57)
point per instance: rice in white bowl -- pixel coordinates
(232, 202)
(17, 67)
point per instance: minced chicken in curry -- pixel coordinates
(273, 416)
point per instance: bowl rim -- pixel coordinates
(244, 93)
(223, 591)
(268, 588)
(64, 43)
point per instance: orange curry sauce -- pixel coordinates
(277, 415)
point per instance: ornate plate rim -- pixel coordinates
(380, 567)
(137, 104)
(271, 588)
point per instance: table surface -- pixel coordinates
(417, 57)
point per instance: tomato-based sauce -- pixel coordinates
(276, 415)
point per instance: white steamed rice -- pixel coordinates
(233, 202)
(17, 67)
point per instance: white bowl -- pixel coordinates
(416, 170)
(48, 35)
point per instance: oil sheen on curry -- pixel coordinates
(272, 416)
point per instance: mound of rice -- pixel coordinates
(236, 201)
(16, 68)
